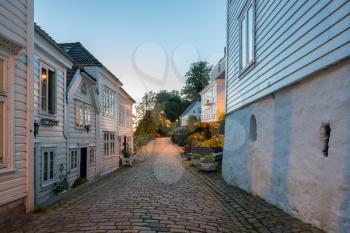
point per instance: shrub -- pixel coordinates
(196, 156)
(215, 141)
(126, 153)
(208, 159)
(62, 183)
(180, 135)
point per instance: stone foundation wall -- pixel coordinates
(287, 158)
(11, 211)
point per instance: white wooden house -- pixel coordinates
(194, 109)
(125, 119)
(16, 53)
(288, 106)
(50, 66)
(80, 125)
(108, 85)
(213, 95)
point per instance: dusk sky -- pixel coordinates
(147, 44)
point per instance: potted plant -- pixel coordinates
(62, 184)
(196, 159)
(208, 163)
(127, 158)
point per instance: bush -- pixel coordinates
(126, 153)
(180, 135)
(196, 156)
(208, 159)
(215, 141)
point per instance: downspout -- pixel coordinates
(30, 108)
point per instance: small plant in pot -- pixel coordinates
(127, 159)
(208, 163)
(196, 159)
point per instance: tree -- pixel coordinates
(196, 79)
(171, 103)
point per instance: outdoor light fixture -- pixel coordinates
(36, 128)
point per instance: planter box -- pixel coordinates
(208, 167)
(205, 150)
(127, 161)
(186, 156)
(196, 162)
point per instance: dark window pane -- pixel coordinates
(44, 89)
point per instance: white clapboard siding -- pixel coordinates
(13, 21)
(293, 39)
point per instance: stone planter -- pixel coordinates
(127, 161)
(208, 167)
(196, 162)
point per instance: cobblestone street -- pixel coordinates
(161, 194)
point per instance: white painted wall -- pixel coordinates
(285, 166)
(293, 39)
(214, 94)
(127, 129)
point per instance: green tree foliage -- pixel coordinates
(171, 103)
(196, 79)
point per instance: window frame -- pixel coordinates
(76, 151)
(46, 112)
(92, 154)
(244, 13)
(6, 98)
(108, 102)
(109, 143)
(53, 179)
(86, 119)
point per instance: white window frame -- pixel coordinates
(73, 165)
(92, 155)
(109, 143)
(53, 179)
(108, 101)
(41, 111)
(244, 14)
(82, 118)
(6, 98)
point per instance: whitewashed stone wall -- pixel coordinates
(285, 165)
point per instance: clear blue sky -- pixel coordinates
(147, 44)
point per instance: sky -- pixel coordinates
(147, 44)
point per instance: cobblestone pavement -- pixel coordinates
(161, 194)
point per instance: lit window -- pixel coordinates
(109, 143)
(47, 91)
(73, 159)
(48, 165)
(82, 114)
(247, 37)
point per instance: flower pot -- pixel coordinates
(196, 162)
(208, 167)
(127, 161)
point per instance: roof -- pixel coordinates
(192, 104)
(82, 57)
(71, 73)
(127, 95)
(80, 54)
(49, 39)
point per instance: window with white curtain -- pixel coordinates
(108, 101)
(82, 114)
(247, 28)
(47, 90)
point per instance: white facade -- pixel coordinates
(50, 148)
(287, 128)
(81, 116)
(194, 109)
(125, 121)
(16, 53)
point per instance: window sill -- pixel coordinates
(48, 183)
(48, 116)
(246, 69)
(110, 156)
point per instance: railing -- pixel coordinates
(218, 69)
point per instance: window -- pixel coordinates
(47, 91)
(109, 143)
(83, 114)
(3, 101)
(92, 155)
(83, 86)
(73, 159)
(108, 102)
(252, 129)
(48, 165)
(326, 135)
(247, 37)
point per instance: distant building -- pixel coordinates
(194, 109)
(213, 95)
(288, 106)
(125, 121)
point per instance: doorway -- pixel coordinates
(83, 162)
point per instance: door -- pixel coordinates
(83, 162)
